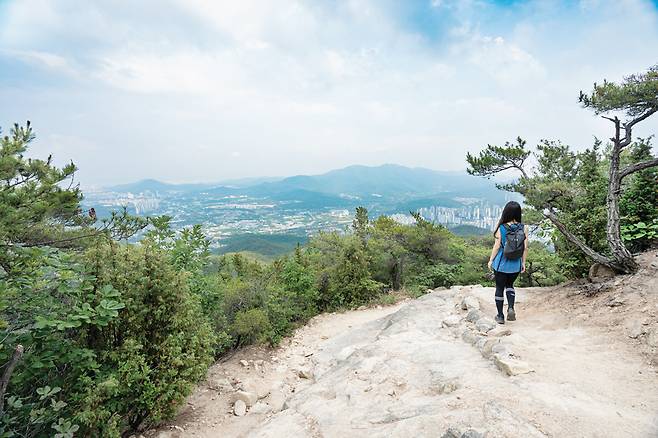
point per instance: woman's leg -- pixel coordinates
(509, 288)
(500, 288)
(511, 295)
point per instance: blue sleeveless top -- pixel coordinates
(502, 264)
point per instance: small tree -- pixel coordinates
(360, 224)
(40, 203)
(637, 98)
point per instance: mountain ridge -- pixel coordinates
(359, 181)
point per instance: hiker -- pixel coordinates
(508, 257)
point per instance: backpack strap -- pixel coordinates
(501, 251)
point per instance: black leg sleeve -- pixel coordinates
(509, 288)
(500, 288)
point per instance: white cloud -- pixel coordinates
(303, 86)
(47, 60)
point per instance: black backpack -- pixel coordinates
(514, 244)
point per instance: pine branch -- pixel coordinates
(637, 167)
(628, 127)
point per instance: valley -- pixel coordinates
(270, 217)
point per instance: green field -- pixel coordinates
(266, 245)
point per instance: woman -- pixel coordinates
(507, 269)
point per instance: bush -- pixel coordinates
(544, 268)
(351, 283)
(113, 340)
(250, 326)
(439, 275)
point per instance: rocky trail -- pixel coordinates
(572, 365)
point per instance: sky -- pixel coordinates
(208, 90)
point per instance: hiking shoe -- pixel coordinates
(511, 314)
(500, 319)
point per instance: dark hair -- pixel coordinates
(511, 212)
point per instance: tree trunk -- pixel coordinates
(4, 381)
(625, 261)
(589, 252)
(396, 274)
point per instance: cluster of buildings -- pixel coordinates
(480, 214)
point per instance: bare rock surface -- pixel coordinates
(406, 375)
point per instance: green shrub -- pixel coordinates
(439, 275)
(543, 267)
(161, 338)
(114, 340)
(640, 235)
(250, 326)
(351, 283)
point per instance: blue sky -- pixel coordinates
(204, 90)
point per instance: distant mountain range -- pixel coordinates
(153, 185)
(397, 184)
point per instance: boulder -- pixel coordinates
(599, 273)
(485, 324)
(511, 366)
(473, 315)
(487, 347)
(500, 349)
(499, 332)
(469, 302)
(258, 387)
(260, 408)
(276, 400)
(451, 321)
(249, 398)
(305, 373)
(469, 337)
(239, 408)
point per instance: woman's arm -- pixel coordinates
(495, 249)
(525, 250)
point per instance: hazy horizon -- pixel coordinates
(264, 177)
(201, 91)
